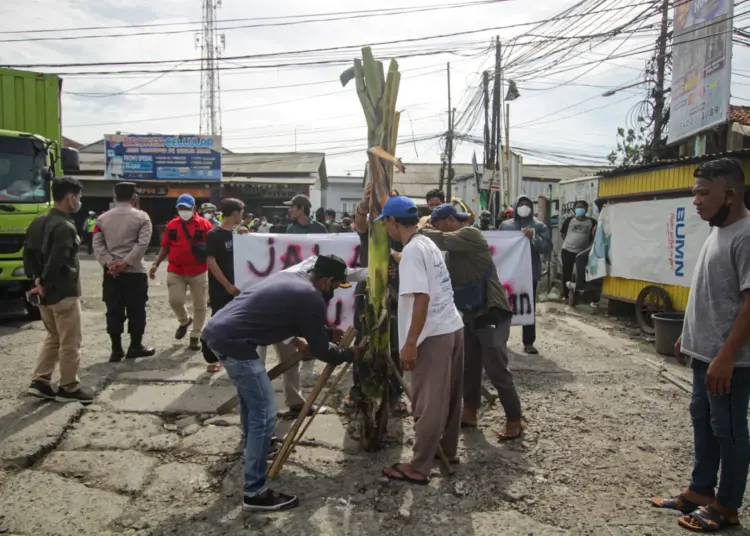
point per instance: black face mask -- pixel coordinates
(718, 219)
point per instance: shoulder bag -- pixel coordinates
(472, 296)
(198, 248)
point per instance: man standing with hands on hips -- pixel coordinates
(184, 244)
(524, 220)
(121, 238)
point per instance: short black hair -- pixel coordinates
(64, 186)
(231, 205)
(276, 220)
(409, 221)
(727, 168)
(435, 193)
(124, 191)
(582, 202)
(330, 212)
(394, 192)
(320, 214)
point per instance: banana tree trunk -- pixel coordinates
(377, 94)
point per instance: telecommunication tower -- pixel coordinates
(211, 44)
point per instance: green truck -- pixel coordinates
(31, 154)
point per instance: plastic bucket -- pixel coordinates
(668, 328)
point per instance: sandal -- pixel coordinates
(679, 503)
(505, 436)
(401, 476)
(708, 518)
(213, 368)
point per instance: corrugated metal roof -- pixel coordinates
(421, 178)
(559, 173)
(618, 172)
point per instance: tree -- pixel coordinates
(631, 147)
(377, 94)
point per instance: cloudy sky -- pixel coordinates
(561, 116)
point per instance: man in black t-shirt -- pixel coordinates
(220, 250)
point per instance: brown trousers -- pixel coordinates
(177, 288)
(62, 321)
(437, 383)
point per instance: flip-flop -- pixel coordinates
(709, 518)
(504, 436)
(679, 503)
(404, 477)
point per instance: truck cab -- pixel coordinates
(26, 164)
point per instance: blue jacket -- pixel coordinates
(541, 244)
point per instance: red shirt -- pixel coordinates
(181, 258)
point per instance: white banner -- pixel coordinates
(656, 241)
(702, 66)
(257, 256)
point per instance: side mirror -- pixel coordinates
(46, 174)
(70, 160)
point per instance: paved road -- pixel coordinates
(606, 430)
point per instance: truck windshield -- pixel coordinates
(21, 165)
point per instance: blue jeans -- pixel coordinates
(258, 414)
(720, 435)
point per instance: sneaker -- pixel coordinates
(116, 356)
(82, 395)
(182, 330)
(42, 390)
(195, 344)
(140, 351)
(529, 349)
(269, 501)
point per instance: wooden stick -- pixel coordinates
(283, 453)
(274, 373)
(445, 465)
(317, 409)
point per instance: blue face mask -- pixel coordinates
(580, 212)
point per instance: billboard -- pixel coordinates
(702, 66)
(153, 157)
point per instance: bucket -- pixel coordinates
(668, 328)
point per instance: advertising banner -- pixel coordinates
(702, 66)
(154, 157)
(656, 241)
(257, 256)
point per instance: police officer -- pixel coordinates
(121, 237)
(88, 230)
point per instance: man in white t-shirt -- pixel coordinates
(431, 343)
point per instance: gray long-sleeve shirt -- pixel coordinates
(123, 234)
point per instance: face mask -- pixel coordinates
(328, 296)
(524, 211)
(185, 214)
(718, 219)
(76, 206)
(580, 212)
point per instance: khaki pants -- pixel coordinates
(292, 386)
(436, 383)
(177, 287)
(62, 344)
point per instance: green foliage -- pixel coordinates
(632, 147)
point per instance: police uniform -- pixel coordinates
(123, 234)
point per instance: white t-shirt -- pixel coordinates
(422, 270)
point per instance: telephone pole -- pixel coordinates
(449, 141)
(661, 60)
(486, 86)
(211, 45)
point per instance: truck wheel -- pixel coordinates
(33, 313)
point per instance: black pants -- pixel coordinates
(125, 296)
(217, 304)
(568, 265)
(529, 332)
(88, 240)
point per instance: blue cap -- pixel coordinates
(399, 207)
(446, 210)
(186, 200)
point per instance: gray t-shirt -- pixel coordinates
(721, 273)
(578, 235)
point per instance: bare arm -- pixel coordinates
(144, 238)
(218, 274)
(360, 213)
(418, 318)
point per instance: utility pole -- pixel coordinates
(494, 162)
(661, 60)
(211, 44)
(486, 86)
(506, 170)
(449, 139)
